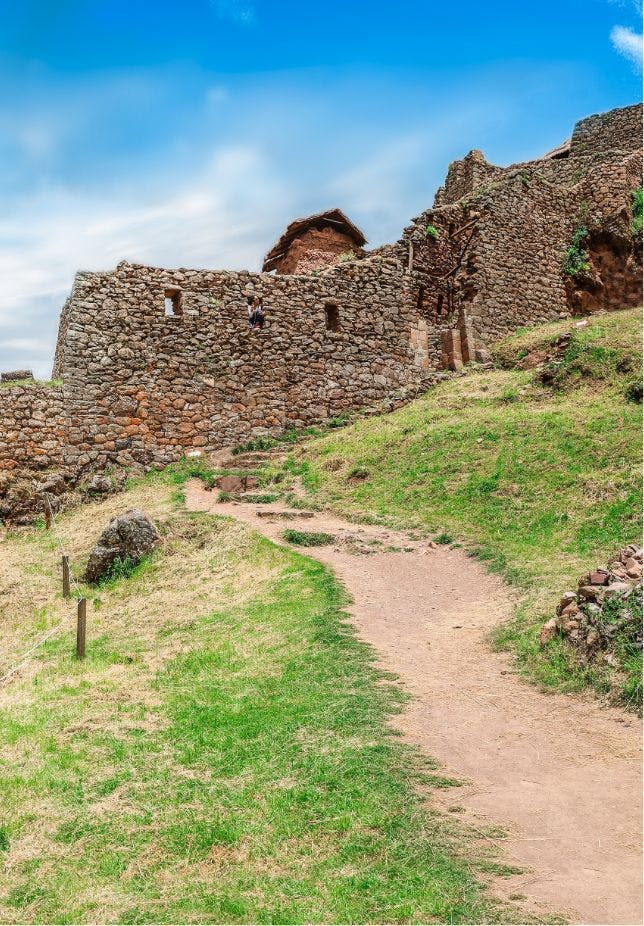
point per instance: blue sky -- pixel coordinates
(189, 133)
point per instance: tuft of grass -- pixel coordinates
(444, 539)
(262, 498)
(432, 232)
(307, 538)
(31, 383)
(123, 568)
(541, 488)
(221, 755)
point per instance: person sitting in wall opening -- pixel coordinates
(256, 316)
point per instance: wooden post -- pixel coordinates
(66, 590)
(47, 513)
(81, 625)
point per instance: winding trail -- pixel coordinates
(560, 773)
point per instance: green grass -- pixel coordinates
(308, 538)
(31, 383)
(123, 568)
(222, 754)
(540, 483)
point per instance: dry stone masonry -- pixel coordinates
(152, 364)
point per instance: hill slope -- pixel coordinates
(537, 473)
(222, 753)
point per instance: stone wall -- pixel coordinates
(464, 176)
(618, 129)
(33, 435)
(144, 387)
(604, 138)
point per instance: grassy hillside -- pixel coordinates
(540, 481)
(222, 753)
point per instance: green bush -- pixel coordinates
(576, 259)
(432, 232)
(636, 225)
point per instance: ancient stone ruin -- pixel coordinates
(152, 364)
(316, 242)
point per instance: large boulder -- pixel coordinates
(130, 536)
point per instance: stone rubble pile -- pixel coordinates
(607, 603)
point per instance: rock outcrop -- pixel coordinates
(128, 538)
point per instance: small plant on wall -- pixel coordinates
(636, 225)
(432, 232)
(576, 259)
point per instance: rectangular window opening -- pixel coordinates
(332, 316)
(173, 302)
(439, 306)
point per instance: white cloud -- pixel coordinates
(217, 95)
(223, 218)
(378, 187)
(628, 43)
(238, 11)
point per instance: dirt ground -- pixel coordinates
(560, 773)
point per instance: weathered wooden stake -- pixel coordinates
(47, 514)
(66, 590)
(81, 626)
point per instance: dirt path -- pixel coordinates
(561, 774)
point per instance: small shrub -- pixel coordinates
(121, 568)
(576, 259)
(634, 392)
(636, 225)
(224, 496)
(444, 539)
(509, 395)
(432, 232)
(338, 421)
(308, 538)
(347, 256)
